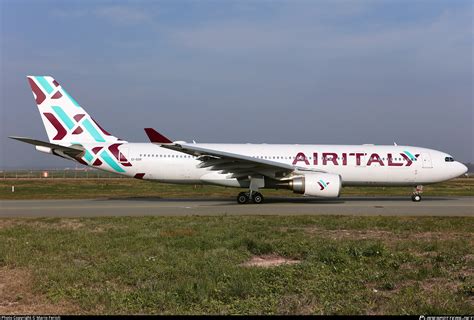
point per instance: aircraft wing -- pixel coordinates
(72, 151)
(237, 165)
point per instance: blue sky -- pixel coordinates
(344, 72)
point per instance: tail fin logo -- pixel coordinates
(47, 88)
(75, 126)
(60, 131)
(100, 155)
(323, 185)
(37, 92)
(64, 119)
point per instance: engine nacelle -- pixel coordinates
(317, 184)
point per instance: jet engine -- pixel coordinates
(317, 184)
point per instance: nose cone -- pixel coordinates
(460, 169)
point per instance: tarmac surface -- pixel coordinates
(363, 206)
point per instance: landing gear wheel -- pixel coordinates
(417, 191)
(257, 198)
(242, 198)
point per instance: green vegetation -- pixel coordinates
(119, 188)
(186, 265)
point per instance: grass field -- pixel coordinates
(118, 188)
(194, 265)
(202, 265)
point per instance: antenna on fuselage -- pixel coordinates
(395, 144)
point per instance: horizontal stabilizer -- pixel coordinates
(72, 151)
(156, 137)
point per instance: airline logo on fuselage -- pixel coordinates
(323, 185)
(401, 159)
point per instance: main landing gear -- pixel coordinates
(256, 182)
(244, 197)
(416, 196)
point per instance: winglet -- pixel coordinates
(156, 137)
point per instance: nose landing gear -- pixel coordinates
(416, 196)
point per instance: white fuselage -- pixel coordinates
(312, 170)
(356, 164)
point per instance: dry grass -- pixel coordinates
(354, 234)
(177, 233)
(17, 295)
(268, 261)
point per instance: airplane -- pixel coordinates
(311, 170)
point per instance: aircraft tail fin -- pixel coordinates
(65, 121)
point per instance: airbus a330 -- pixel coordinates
(312, 170)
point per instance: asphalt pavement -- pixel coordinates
(363, 206)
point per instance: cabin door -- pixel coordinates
(426, 160)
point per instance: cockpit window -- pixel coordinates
(449, 159)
